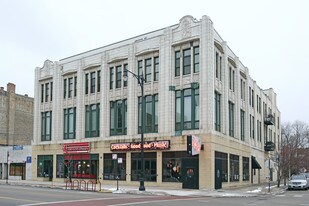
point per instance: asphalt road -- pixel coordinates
(27, 196)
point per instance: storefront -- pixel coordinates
(77, 162)
(161, 165)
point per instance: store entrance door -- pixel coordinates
(189, 172)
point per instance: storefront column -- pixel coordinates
(159, 167)
(128, 166)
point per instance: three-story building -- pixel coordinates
(88, 119)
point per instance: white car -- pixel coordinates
(298, 182)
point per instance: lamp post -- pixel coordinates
(7, 169)
(140, 80)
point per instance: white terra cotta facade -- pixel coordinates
(195, 85)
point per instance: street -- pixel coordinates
(27, 196)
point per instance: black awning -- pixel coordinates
(255, 164)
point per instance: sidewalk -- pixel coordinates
(253, 190)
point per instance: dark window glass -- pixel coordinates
(92, 82)
(45, 166)
(92, 120)
(186, 61)
(245, 169)
(223, 157)
(118, 76)
(70, 93)
(111, 77)
(196, 51)
(234, 168)
(46, 126)
(118, 113)
(156, 69)
(217, 112)
(177, 63)
(86, 83)
(69, 123)
(148, 70)
(114, 168)
(150, 161)
(187, 109)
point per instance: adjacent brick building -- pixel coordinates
(88, 119)
(16, 128)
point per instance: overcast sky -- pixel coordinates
(270, 37)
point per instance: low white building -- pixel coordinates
(19, 159)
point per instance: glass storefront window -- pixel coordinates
(223, 157)
(234, 168)
(245, 169)
(171, 166)
(45, 166)
(114, 167)
(84, 166)
(150, 160)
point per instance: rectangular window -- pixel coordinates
(17, 169)
(177, 63)
(253, 125)
(148, 70)
(45, 166)
(140, 69)
(150, 114)
(234, 168)
(186, 62)
(75, 86)
(61, 167)
(241, 89)
(230, 77)
(86, 83)
(69, 123)
(51, 91)
(187, 109)
(222, 157)
(92, 120)
(42, 93)
(245, 168)
(242, 125)
(217, 65)
(113, 169)
(217, 111)
(92, 82)
(64, 88)
(233, 81)
(125, 67)
(118, 115)
(118, 76)
(252, 103)
(231, 119)
(46, 125)
(70, 93)
(156, 69)
(79, 166)
(250, 96)
(46, 92)
(196, 52)
(99, 81)
(150, 162)
(111, 77)
(172, 165)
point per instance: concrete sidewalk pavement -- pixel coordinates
(252, 190)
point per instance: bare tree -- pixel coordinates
(294, 143)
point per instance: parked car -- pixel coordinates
(298, 182)
(306, 174)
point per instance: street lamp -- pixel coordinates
(7, 169)
(140, 80)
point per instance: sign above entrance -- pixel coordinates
(76, 148)
(148, 145)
